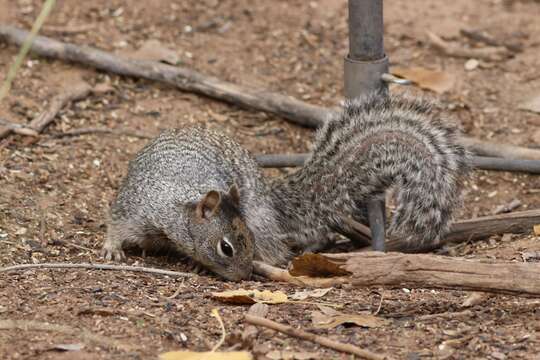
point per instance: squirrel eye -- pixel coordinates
(225, 248)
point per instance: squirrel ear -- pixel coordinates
(235, 195)
(209, 205)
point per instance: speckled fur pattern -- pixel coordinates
(377, 142)
(374, 143)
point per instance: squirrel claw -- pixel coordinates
(113, 254)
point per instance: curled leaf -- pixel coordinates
(316, 265)
(242, 296)
(433, 80)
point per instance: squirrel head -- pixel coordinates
(223, 242)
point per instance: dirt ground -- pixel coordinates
(55, 191)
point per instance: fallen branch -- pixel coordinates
(189, 80)
(321, 340)
(95, 267)
(87, 131)
(488, 40)
(491, 53)
(506, 208)
(75, 92)
(479, 162)
(281, 275)
(183, 78)
(83, 334)
(507, 151)
(433, 271)
(479, 228)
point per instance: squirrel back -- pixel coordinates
(377, 142)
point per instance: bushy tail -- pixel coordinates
(377, 142)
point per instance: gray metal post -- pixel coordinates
(364, 67)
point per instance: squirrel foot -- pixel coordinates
(113, 253)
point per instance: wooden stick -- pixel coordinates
(479, 162)
(87, 131)
(95, 267)
(321, 340)
(281, 275)
(185, 79)
(479, 228)
(488, 40)
(490, 53)
(84, 334)
(432, 271)
(507, 151)
(73, 93)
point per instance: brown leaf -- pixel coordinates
(329, 318)
(154, 50)
(536, 229)
(533, 104)
(208, 355)
(242, 296)
(315, 293)
(436, 81)
(474, 299)
(316, 265)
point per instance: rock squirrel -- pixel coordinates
(201, 192)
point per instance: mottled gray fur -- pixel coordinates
(374, 143)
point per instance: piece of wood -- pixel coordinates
(185, 79)
(89, 131)
(500, 150)
(489, 53)
(479, 228)
(181, 77)
(21, 267)
(479, 36)
(321, 340)
(74, 92)
(479, 162)
(433, 271)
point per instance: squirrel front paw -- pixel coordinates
(112, 253)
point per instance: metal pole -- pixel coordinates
(364, 67)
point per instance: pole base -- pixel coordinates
(364, 77)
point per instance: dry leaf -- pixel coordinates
(192, 355)
(436, 81)
(69, 347)
(291, 355)
(474, 299)
(304, 294)
(536, 229)
(533, 104)
(242, 296)
(154, 50)
(329, 318)
(315, 265)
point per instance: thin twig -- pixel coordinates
(321, 340)
(84, 334)
(95, 267)
(87, 131)
(74, 92)
(215, 313)
(445, 315)
(486, 53)
(488, 40)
